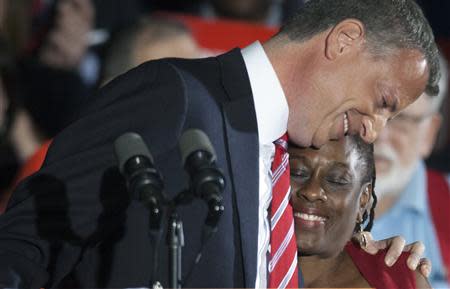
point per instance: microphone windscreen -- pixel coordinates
(193, 140)
(129, 145)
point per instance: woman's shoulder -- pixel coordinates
(377, 273)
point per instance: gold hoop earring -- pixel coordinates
(362, 237)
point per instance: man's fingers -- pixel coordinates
(417, 249)
(396, 246)
(413, 261)
(425, 267)
(395, 250)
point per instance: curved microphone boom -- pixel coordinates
(206, 179)
(144, 183)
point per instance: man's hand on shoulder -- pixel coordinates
(395, 246)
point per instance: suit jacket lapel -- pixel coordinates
(242, 135)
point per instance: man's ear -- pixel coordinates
(366, 195)
(344, 37)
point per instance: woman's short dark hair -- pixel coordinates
(367, 166)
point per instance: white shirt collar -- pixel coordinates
(271, 107)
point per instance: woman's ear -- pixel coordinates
(366, 195)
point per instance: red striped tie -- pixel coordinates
(283, 271)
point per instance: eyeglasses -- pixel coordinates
(404, 122)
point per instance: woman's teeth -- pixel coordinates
(309, 217)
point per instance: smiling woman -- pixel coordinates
(332, 197)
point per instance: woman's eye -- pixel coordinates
(338, 181)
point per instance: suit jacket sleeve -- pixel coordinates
(73, 201)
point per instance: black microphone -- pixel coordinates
(144, 183)
(206, 179)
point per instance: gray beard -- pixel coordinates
(394, 182)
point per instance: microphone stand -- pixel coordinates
(175, 242)
(175, 238)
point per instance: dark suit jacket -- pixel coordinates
(73, 223)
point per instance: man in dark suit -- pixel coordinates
(338, 67)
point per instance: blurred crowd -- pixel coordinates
(54, 54)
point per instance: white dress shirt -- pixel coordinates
(271, 115)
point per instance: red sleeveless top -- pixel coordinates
(377, 273)
(439, 198)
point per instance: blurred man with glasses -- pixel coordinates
(407, 190)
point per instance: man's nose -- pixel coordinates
(372, 127)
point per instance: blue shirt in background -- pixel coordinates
(410, 217)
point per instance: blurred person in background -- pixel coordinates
(265, 12)
(45, 50)
(407, 191)
(20, 136)
(152, 37)
(50, 41)
(67, 40)
(268, 12)
(437, 12)
(8, 158)
(149, 38)
(59, 45)
(440, 157)
(2, 15)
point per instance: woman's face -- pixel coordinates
(326, 189)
